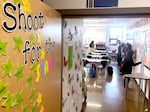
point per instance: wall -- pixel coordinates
(133, 3)
(30, 57)
(66, 4)
(72, 65)
(80, 4)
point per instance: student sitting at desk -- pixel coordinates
(91, 46)
(90, 49)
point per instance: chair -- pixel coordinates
(114, 55)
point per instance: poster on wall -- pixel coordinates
(72, 62)
(101, 3)
(105, 3)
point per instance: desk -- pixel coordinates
(139, 76)
(96, 62)
(96, 56)
(103, 54)
(100, 51)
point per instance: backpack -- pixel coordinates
(92, 71)
(109, 70)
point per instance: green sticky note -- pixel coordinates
(46, 68)
(32, 94)
(32, 38)
(34, 67)
(3, 48)
(19, 98)
(7, 68)
(17, 1)
(19, 72)
(33, 108)
(70, 57)
(29, 80)
(3, 89)
(24, 109)
(8, 102)
(18, 42)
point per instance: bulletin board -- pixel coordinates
(72, 95)
(30, 57)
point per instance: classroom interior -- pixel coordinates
(107, 92)
(43, 53)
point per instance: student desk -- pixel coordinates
(100, 51)
(139, 76)
(93, 60)
(102, 54)
(95, 56)
(96, 62)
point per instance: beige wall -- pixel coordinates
(79, 4)
(66, 4)
(47, 85)
(133, 3)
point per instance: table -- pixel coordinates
(96, 56)
(93, 60)
(103, 54)
(139, 76)
(96, 62)
(100, 51)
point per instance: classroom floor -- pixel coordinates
(107, 94)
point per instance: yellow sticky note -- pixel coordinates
(38, 73)
(27, 6)
(39, 99)
(42, 109)
(43, 54)
(39, 39)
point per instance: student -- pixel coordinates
(128, 62)
(91, 48)
(119, 58)
(123, 51)
(92, 44)
(88, 51)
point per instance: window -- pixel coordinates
(113, 41)
(115, 35)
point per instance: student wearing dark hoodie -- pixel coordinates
(128, 62)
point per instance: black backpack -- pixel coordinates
(109, 70)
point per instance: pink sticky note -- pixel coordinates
(50, 63)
